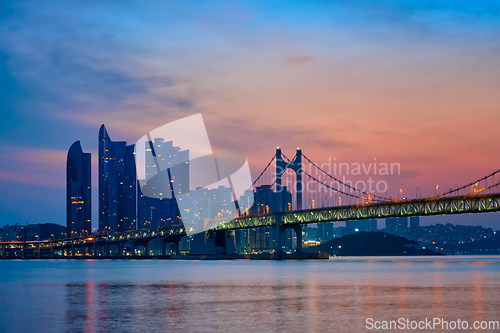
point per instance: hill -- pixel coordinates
(371, 244)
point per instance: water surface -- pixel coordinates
(336, 295)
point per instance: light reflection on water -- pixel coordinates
(243, 296)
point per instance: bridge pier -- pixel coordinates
(213, 242)
(119, 249)
(280, 229)
(141, 242)
(176, 248)
(281, 166)
(298, 232)
(163, 248)
(279, 236)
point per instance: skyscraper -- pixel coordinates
(414, 222)
(160, 208)
(266, 202)
(117, 185)
(78, 180)
(360, 225)
(325, 232)
(396, 225)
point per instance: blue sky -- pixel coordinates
(413, 82)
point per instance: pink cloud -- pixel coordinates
(36, 166)
(27, 177)
(300, 60)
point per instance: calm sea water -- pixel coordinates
(336, 295)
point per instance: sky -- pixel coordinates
(408, 82)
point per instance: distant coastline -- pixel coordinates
(373, 243)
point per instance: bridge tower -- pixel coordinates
(281, 166)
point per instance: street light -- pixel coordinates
(436, 189)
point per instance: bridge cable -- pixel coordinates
(353, 188)
(334, 189)
(268, 164)
(464, 187)
(487, 188)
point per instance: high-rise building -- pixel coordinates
(396, 225)
(159, 208)
(78, 180)
(414, 222)
(117, 185)
(309, 234)
(164, 155)
(156, 212)
(265, 202)
(360, 225)
(241, 237)
(325, 232)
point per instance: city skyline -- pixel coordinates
(339, 81)
(261, 166)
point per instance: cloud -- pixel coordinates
(16, 177)
(300, 60)
(412, 82)
(30, 165)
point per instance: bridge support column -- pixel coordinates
(176, 248)
(51, 253)
(163, 248)
(298, 232)
(279, 201)
(230, 243)
(119, 249)
(279, 237)
(298, 171)
(146, 249)
(84, 249)
(106, 249)
(38, 250)
(94, 249)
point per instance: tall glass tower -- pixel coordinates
(78, 173)
(117, 185)
(160, 209)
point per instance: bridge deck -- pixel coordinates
(422, 207)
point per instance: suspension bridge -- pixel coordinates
(318, 195)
